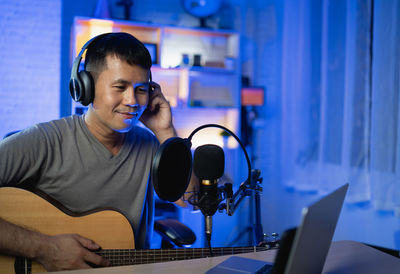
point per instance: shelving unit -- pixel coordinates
(194, 92)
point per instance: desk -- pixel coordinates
(347, 257)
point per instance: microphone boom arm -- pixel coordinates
(246, 189)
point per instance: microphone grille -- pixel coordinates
(209, 162)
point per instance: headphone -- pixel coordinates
(81, 83)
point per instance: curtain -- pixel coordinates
(340, 99)
(385, 137)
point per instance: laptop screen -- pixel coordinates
(314, 235)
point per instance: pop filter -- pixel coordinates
(172, 168)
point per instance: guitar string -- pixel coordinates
(132, 256)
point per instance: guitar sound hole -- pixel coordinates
(22, 265)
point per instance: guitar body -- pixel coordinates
(108, 228)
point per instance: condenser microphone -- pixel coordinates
(208, 165)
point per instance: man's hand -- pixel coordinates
(69, 251)
(193, 187)
(157, 117)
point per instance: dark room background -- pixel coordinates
(330, 70)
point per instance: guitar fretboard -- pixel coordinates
(119, 257)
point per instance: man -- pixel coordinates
(100, 159)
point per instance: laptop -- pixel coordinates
(302, 250)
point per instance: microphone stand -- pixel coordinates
(251, 116)
(247, 188)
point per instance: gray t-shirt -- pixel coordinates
(63, 159)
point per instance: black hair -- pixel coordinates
(119, 44)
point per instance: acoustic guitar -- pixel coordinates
(110, 229)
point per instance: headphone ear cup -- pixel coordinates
(87, 91)
(75, 89)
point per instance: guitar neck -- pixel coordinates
(119, 257)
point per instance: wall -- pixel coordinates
(29, 63)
